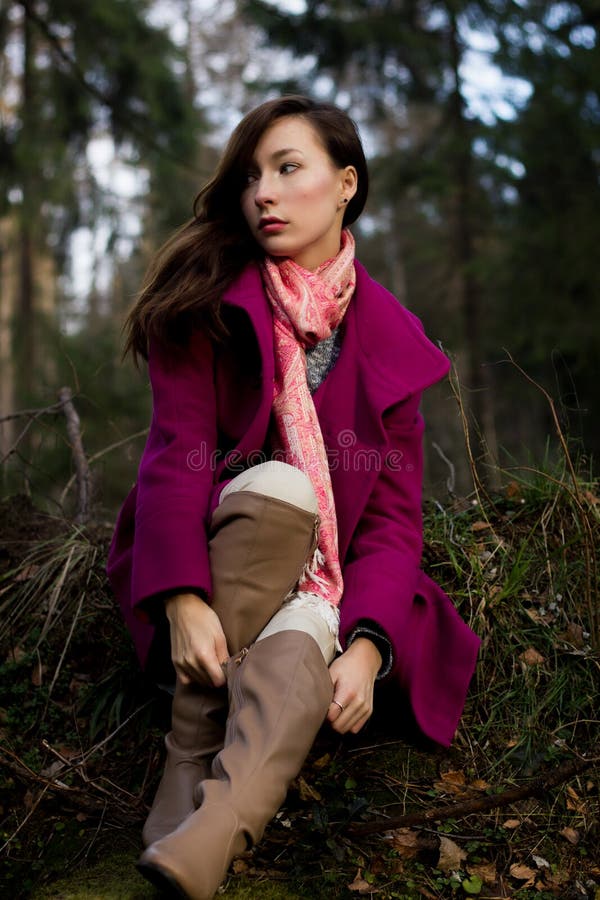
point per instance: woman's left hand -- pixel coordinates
(353, 675)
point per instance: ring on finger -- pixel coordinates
(337, 703)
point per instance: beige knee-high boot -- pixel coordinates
(258, 546)
(280, 691)
(197, 732)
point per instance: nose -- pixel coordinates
(265, 193)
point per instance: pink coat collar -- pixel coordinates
(384, 351)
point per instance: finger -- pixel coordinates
(353, 718)
(336, 709)
(360, 724)
(183, 675)
(221, 650)
(214, 670)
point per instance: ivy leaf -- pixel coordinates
(472, 885)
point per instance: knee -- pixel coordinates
(277, 479)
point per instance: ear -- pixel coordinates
(349, 182)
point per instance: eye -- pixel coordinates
(288, 168)
(250, 178)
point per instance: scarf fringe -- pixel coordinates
(325, 610)
(309, 572)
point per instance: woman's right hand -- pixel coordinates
(198, 643)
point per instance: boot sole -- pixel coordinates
(161, 880)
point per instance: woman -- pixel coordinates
(273, 538)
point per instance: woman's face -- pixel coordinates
(294, 198)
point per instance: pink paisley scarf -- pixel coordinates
(307, 306)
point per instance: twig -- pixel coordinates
(81, 464)
(100, 454)
(480, 490)
(482, 804)
(81, 798)
(451, 479)
(32, 415)
(34, 806)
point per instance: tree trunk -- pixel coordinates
(25, 317)
(478, 394)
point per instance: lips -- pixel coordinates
(271, 224)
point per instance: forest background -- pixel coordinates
(480, 121)
(481, 124)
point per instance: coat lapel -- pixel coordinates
(385, 357)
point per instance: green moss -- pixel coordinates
(115, 878)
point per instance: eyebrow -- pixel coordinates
(284, 152)
(279, 153)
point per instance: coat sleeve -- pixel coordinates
(175, 476)
(382, 566)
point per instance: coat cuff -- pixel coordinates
(377, 635)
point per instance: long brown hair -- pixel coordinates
(186, 279)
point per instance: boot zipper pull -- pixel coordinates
(242, 655)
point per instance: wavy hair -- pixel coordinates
(187, 277)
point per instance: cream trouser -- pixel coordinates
(285, 482)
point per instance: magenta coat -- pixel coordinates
(210, 420)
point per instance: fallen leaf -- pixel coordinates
(513, 490)
(523, 873)
(377, 865)
(480, 525)
(535, 616)
(485, 871)
(452, 782)
(531, 657)
(53, 769)
(573, 634)
(307, 792)
(322, 761)
(405, 842)
(576, 805)
(451, 855)
(479, 785)
(591, 498)
(571, 834)
(540, 862)
(361, 886)
(395, 866)
(453, 777)
(239, 866)
(511, 823)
